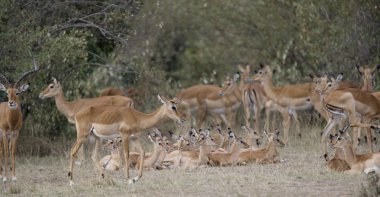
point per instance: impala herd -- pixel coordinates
(114, 122)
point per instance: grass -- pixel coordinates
(303, 174)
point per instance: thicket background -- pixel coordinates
(161, 46)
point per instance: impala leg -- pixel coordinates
(295, 117)
(73, 154)
(80, 158)
(95, 157)
(1, 156)
(286, 125)
(267, 118)
(201, 116)
(6, 149)
(13, 153)
(332, 122)
(125, 138)
(142, 156)
(369, 134)
(247, 112)
(256, 114)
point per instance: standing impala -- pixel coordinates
(112, 121)
(11, 121)
(296, 96)
(206, 100)
(70, 108)
(367, 74)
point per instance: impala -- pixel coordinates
(71, 108)
(200, 157)
(151, 160)
(365, 163)
(11, 121)
(367, 74)
(291, 97)
(112, 121)
(267, 154)
(231, 157)
(205, 99)
(251, 136)
(112, 162)
(252, 96)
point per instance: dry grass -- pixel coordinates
(304, 174)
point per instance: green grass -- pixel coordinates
(304, 174)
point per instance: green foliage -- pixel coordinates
(68, 40)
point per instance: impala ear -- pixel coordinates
(150, 138)
(339, 78)
(236, 76)
(23, 87)
(161, 99)
(2, 87)
(378, 67)
(248, 68)
(265, 133)
(240, 68)
(359, 69)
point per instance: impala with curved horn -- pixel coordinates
(11, 120)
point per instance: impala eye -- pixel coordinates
(228, 84)
(17, 93)
(51, 86)
(174, 108)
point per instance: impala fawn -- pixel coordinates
(358, 163)
(268, 154)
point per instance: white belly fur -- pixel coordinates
(106, 131)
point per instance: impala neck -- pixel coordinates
(153, 157)
(269, 89)
(150, 120)
(203, 151)
(237, 92)
(270, 148)
(234, 148)
(62, 105)
(115, 153)
(367, 86)
(349, 153)
(13, 115)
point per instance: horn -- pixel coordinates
(26, 74)
(6, 80)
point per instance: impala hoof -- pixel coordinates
(71, 183)
(134, 180)
(14, 178)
